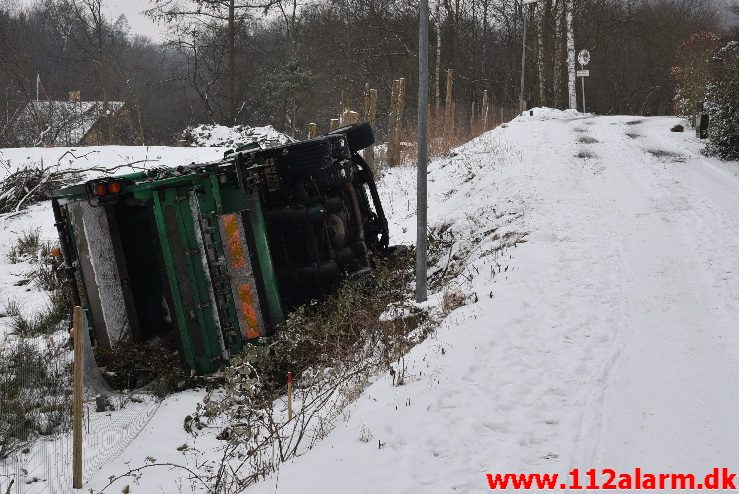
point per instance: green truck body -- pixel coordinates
(217, 253)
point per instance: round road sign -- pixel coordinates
(584, 57)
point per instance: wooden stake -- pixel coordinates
(350, 117)
(312, 130)
(78, 328)
(399, 120)
(334, 124)
(448, 109)
(365, 115)
(289, 396)
(392, 123)
(484, 110)
(371, 116)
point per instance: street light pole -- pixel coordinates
(421, 194)
(523, 52)
(584, 108)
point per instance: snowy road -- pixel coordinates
(669, 400)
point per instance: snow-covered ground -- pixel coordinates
(601, 252)
(612, 341)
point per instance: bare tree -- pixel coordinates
(83, 23)
(570, 21)
(189, 19)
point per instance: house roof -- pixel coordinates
(59, 123)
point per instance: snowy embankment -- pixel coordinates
(600, 253)
(610, 340)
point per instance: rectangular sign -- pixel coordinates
(583, 73)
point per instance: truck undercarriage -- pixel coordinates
(218, 253)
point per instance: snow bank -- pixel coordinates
(544, 113)
(97, 160)
(210, 135)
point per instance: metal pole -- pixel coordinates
(421, 199)
(583, 95)
(523, 59)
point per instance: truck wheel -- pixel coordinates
(359, 136)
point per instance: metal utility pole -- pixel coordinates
(584, 107)
(584, 58)
(523, 51)
(421, 194)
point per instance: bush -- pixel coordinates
(152, 364)
(29, 247)
(722, 103)
(35, 393)
(44, 322)
(26, 247)
(691, 72)
(339, 330)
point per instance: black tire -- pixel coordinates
(359, 136)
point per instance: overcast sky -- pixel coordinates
(140, 24)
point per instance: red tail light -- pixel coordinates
(114, 187)
(101, 190)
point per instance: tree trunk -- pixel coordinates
(96, 9)
(571, 87)
(231, 62)
(437, 88)
(559, 54)
(541, 21)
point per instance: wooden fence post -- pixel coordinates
(350, 117)
(392, 121)
(485, 110)
(370, 116)
(312, 130)
(448, 109)
(399, 119)
(289, 396)
(334, 124)
(78, 328)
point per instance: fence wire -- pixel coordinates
(36, 376)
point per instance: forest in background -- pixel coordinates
(287, 63)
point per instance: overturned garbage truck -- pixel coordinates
(217, 253)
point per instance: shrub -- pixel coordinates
(43, 322)
(722, 103)
(26, 247)
(35, 391)
(691, 72)
(153, 365)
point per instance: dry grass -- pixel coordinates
(445, 134)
